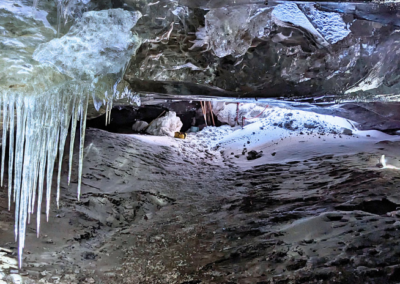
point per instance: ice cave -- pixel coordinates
(199, 141)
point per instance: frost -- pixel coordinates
(329, 24)
(327, 27)
(231, 30)
(372, 81)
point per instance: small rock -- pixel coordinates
(347, 131)
(252, 155)
(273, 153)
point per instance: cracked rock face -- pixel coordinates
(338, 51)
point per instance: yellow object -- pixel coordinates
(180, 135)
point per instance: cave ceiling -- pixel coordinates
(311, 51)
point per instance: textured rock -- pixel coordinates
(280, 50)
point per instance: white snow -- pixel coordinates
(328, 27)
(290, 13)
(283, 135)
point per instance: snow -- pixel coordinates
(283, 135)
(327, 26)
(290, 13)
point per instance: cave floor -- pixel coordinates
(157, 212)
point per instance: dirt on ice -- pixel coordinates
(312, 207)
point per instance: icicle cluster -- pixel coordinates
(37, 115)
(39, 133)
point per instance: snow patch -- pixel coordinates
(290, 13)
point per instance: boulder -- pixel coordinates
(166, 125)
(139, 125)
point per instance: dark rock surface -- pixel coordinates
(155, 214)
(285, 60)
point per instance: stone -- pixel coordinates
(166, 125)
(139, 126)
(347, 131)
(252, 155)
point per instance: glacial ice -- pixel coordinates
(85, 52)
(46, 86)
(230, 30)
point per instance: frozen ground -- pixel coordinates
(164, 210)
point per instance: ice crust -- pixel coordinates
(45, 87)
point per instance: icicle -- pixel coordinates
(84, 107)
(35, 3)
(42, 161)
(44, 109)
(3, 146)
(75, 110)
(28, 159)
(59, 16)
(11, 149)
(109, 115)
(65, 120)
(107, 107)
(19, 156)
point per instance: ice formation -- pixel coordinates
(230, 30)
(42, 92)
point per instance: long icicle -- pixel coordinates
(4, 146)
(82, 142)
(4, 143)
(11, 148)
(75, 113)
(19, 157)
(65, 121)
